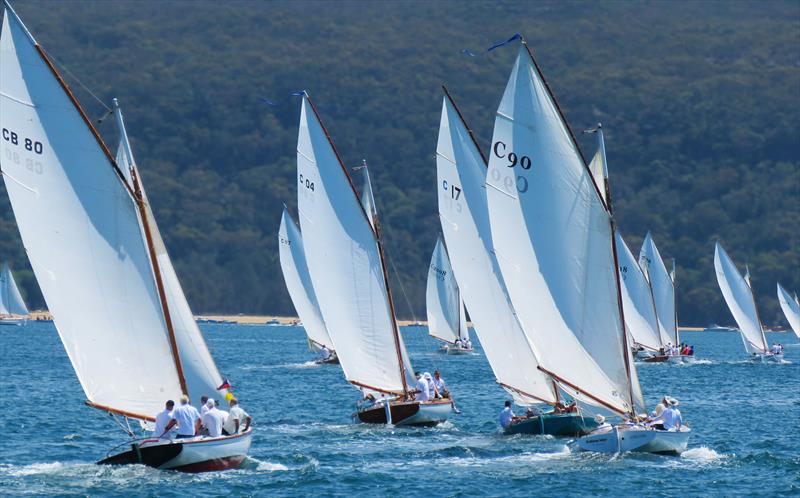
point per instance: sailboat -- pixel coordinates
(345, 257)
(553, 235)
(639, 306)
(741, 301)
(115, 298)
(463, 212)
(662, 286)
(791, 309)
(447, 320)
(12, 307)
(301, 290)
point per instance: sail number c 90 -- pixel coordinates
(499, 149)
(14, 139)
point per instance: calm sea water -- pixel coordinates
(745, 419)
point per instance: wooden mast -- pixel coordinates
(373, 222)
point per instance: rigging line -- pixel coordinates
(77, 80)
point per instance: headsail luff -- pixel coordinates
(663, 289)
(553, 238)
(346, 263)
(443, 303)
(637, 298)
(298, 281)
(740, 300)
(461, 175)
(791, 309)
(67, 192)
(198, 369)
(11, 302)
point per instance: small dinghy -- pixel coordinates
(12, 307)
(741, 301)
(553, 227)
(345, 256)
(116, 301)
(446, 316)
(301, 289)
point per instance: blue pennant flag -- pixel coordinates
(267, 101)
(468, 52)
(298, 93)
(516, 36)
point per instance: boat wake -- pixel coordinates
(703, 454)
(307, 364)
(251, 463)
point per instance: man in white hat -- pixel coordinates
(602, 425)
(433, 393)
(214, 419)
(422, 388)
(670, 419)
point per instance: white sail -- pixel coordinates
(345, 264)
(663, 289)
(443, 301)
(81, 231)
(367, 198)
(298, 281)
(199, 369)
(791, 308)
(11, 302)
(553, 240)
(739, 297)
(461, 175)
(637, 299)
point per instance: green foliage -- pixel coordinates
(699, 102)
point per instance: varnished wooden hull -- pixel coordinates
(415, 413)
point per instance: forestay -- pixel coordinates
(298, 281)
(345, 264)
(66, 195)
(791, 309)
(199, 369)
(739, 297)
(11, 302)
(553, 240)
(446, 320)
(461, 174)
(663, 289)
(637, 299)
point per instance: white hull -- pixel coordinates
(12, 321)
(622, 439)
(429, 414)
(201, 454)
(451, 349)
(766, 358)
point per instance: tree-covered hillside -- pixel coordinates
(699, 102)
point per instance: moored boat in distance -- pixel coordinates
(112, 290)
(345, 257)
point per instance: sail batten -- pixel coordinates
(741, 303)
(553, 238)
(346, 263)
(461, 176)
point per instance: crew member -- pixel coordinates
(422, 388)
(506, 416)
(214, 419)
(186, 417)
(235, 417)
(162, 419)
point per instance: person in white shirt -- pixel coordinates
(203, 403)
(324, 353)
(602, 425)
(670, 418)
(235, 418)
(422, 388)
(506, 416)
(214, 419)
(433, 393)
(441, 387)
(467, 343)
(162, 419)
(186, 417)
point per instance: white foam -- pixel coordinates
(703, 454)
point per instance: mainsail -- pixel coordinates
(298, 281)
(346, 264)
(663, 289)
(11, 302)
(67, 192)
(637, 299)
(741, 301)
(446, 320)
(553, 237)
(461, 177)
(791, 308)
